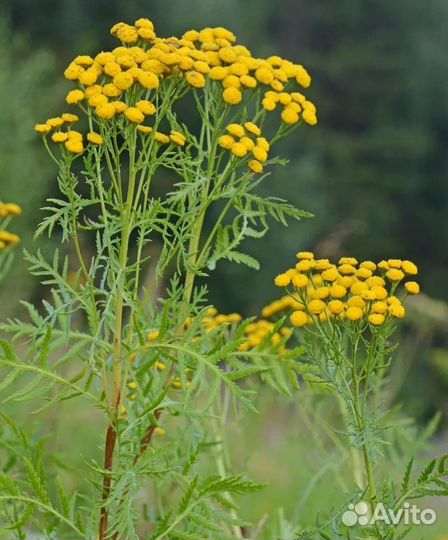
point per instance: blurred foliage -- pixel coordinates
(28, 83)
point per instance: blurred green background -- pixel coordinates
(374, 172)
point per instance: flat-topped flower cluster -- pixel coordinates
(319, 290)
(123, 85)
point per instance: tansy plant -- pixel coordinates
(345, 315)
(7, 239)
(136, 185)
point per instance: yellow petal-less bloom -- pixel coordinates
(356, 301)
(248, 143)
(97, 99)
(412, 287)
(260, 154)
(88, 77)
(74, 97)
(289, 116)
(363, 273)
(379, 307)
(358, 287)
(69, 118)
(309, 117)
(264, 75)
(196, 79)
(255, 166)
(73, 134)
(397, 310)
(330, 275)
(336, 307)
(94, 138)
(232, 96)
(55, 122)
(369, 295)
(316, 307)
(149, 80)
(346, 269)
(320, 293)
(379, 292)
(119, 106)
(226, 142)
(236, 130)
(13, 209)
(105, 110)
(218, 73)
(394, 274)
(300, 280)
(146, 130)
(299, 318)
(376, 319)
(252, 128)
(369, 265)
(177, 138)
(337, 291)
(74, 145)
(262, 142)
(161, 138)
(305, 265)
(269, 104)
(42, 129)
(308, 255)
(123, 81)
(282, 280)
(348, 260)
(238, 149)
(354, 313)
(59, 137)
(146, 107)
(409, 268)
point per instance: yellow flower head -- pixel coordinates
(299, 318)
(146, 107)
(232, 96)
(412, 287)
(74, 145)
(255, 166)
(94, 138)
(196, 79)
(253, 129)
(236, 130)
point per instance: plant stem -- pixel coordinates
(111, 434)
(361, 425)
(111, 438)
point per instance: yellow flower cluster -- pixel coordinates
(320, 290)
(244, 140)
(214, 319)
(7, 210)
(258, 331)
(62, 133)
(294, 105)
(106, 82)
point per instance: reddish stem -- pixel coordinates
(111, 439)
(147, 438)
